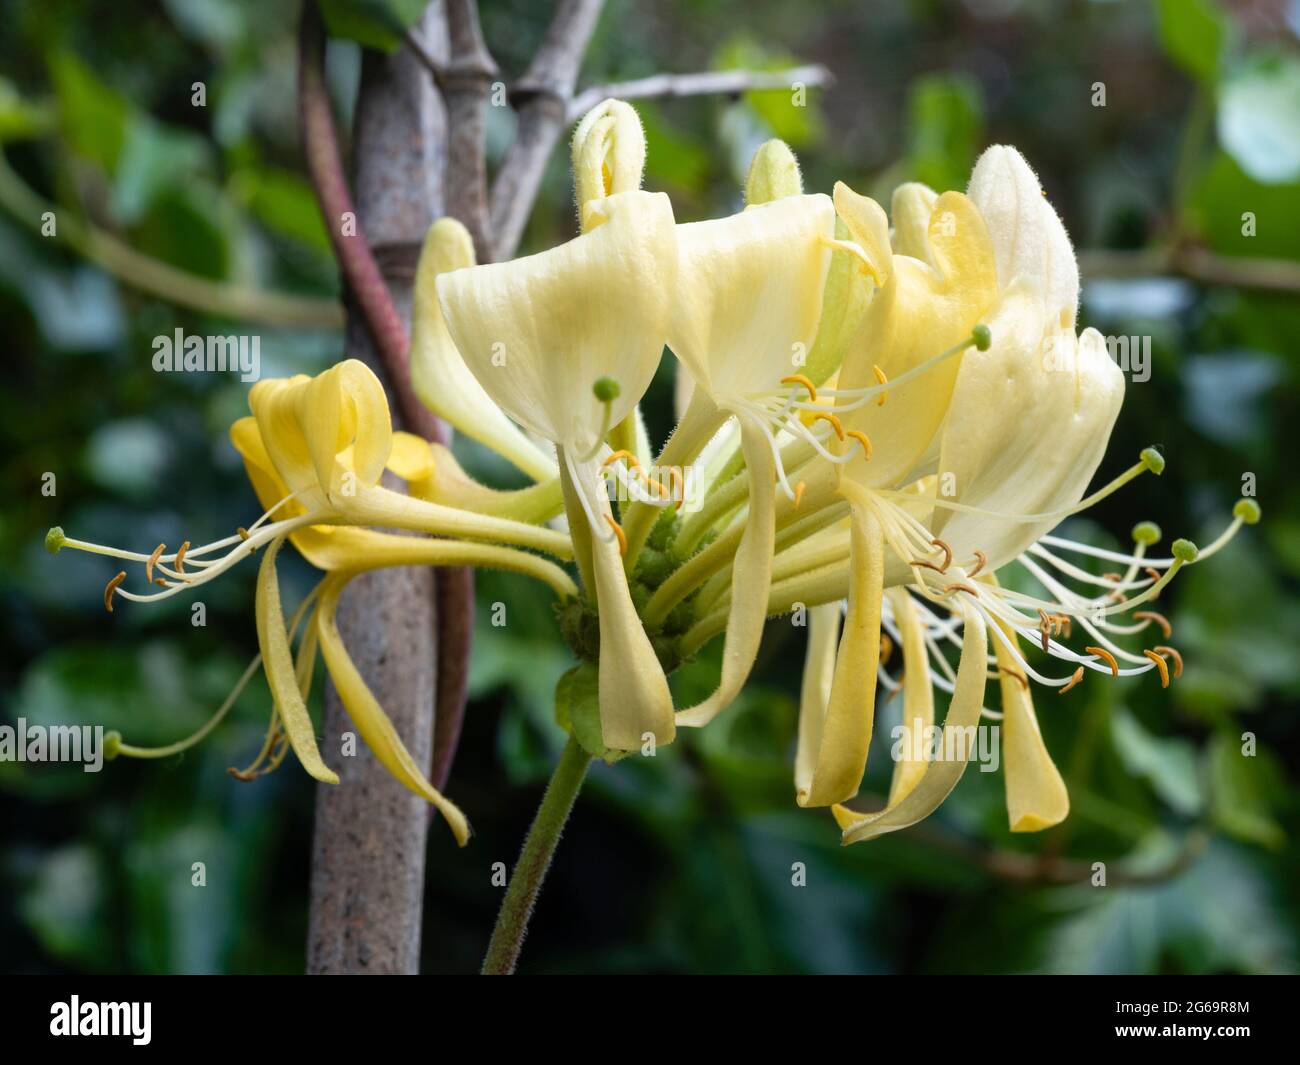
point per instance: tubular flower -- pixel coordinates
(877, 418)
(746, 309)
(314, 450)
(566, 341)
(996, 492)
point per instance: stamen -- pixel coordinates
(1160, 665)
(1162, 650)
(886, 648)
(627, 456)
(161, 583)
(798, 493)
(243, 533)
(862, 439)
(1159, 619)
(835, 423)
(961, 587)
(880, 376)
(1075, 679)
(800, 379)
(1154, 574)
(947, 553)
(1106, 657)
(983, 561)
(180, 557)
(112, 587)
(618, 531)
(153, 559)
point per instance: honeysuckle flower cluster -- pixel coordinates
(876, 416)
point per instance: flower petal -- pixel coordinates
(273, 639)
(815, 691)
(1028, 237)
(1056, 407)
(1036, 794)
(372, 723)
(438, 373)
(919, 312)
(845, 735)
(538, 332)
(749, 294)
(752, 576)
(918, 697)
(942, 776)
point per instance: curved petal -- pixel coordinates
(918, 697)
(439, 374)
(749, 294)
(277, 660)
(845, 735)
(372, 723)
(815, 691)
(1028, 237)
(910, 209)
(942, 776)
(1026, 430)
(1036, 795)
(752, 576)
(538, 332)
(918, 313)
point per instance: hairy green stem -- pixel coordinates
(534, 861)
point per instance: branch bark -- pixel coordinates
(368, 849)
(541, 99)
(708, 83)
(1195, 264)
(466, 81)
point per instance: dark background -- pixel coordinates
(681, 863)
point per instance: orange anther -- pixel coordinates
(1114, 578)
(1077, 676)
(961, 587)
(880, 376)
(153, 560)
(1154, 574)
(983, 560)
(947, 553)
(1159, 619)
(180, 557)
(243, 533)
(886, 648)
(618, 531)
(800, 379)
(862, 439)
(1106, 657)
(625, 455)
(1162, 650)
(1159, 663)
(826, 416)
(798, 493)
(112, 587)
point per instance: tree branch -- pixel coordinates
(1196, 264)
(541, 98)
(367, 882)
(466, 81)
(708, 83)
(361, 272)
(161, 279)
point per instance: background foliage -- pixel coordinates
(683, 863)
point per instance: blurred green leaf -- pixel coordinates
(1259, 117)
(1193, 33)
(1168, 765)
(1242, 789)
(64, 905)
(21, 118)
(945, 119)
(1225, 193)
(92, 117)
(285, 203)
